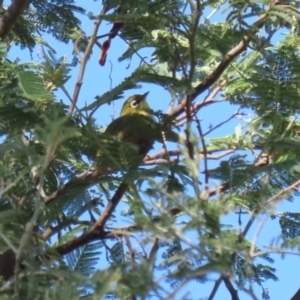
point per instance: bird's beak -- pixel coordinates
(143, 97)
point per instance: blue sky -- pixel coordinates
(97, 81)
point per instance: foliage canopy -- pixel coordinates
(60, 231)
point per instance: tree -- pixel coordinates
(60, 229)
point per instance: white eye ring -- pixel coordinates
(134, 104)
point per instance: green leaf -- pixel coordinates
(33, 87)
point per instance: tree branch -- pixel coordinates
(84, 60)
(111, 206)
(11, 16)
(97, 231)
(296, 296)
(87, 237)
(50, 231)
(227, 59)
(233, 292)
(84, 179)
(208, 100)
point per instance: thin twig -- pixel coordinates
(215, 157)
(273, 198)
(178, 57)
(161, 161)
(153, 251)
(201, 136)
(70, 99)
(107, 250)
(137, 53)
(76, 50)
(222, 123)
(289, 126)
(84, 60)
(130, 249)
(208, 100)
(8, 242)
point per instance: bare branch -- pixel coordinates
(50, 231)
(111, 206)
(233, 292)
(296, 296)
(215, 288)
(161, 162)
(84, 239)
(216, 157)
(97, 231)
(208, 100)
(85, 58)
(11, 16)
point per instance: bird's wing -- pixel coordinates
(128, 128)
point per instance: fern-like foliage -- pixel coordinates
(85, 258)
(82, 215)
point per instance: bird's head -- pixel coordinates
(136, 104)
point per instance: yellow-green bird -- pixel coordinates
(136, 126)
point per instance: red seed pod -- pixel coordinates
(104, 48)
(115, 29)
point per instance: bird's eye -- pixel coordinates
(134, 104)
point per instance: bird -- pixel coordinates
(135, 124)
(136, 129)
